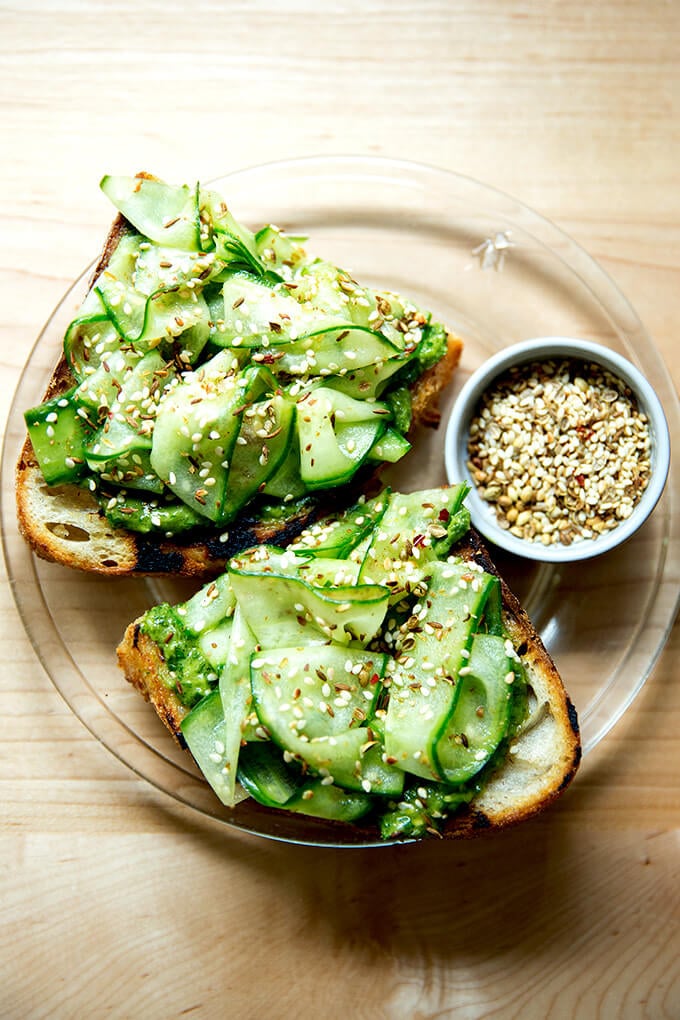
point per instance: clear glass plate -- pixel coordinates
(496, 273)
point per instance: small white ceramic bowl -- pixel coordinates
(543, 349)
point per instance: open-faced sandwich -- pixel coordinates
(218, 388)
(376, 672)
(223, 402)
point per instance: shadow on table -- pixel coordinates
(419, 903)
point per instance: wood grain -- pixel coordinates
(115, 901)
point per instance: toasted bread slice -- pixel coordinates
(65, 524)
(543, 757)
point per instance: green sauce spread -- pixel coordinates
(181, 653)
(165, 518)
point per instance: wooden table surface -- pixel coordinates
(116, 902)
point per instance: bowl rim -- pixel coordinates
(538, 349)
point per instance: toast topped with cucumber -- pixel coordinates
(377, 672)
(218, 388)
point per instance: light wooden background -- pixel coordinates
(115, 903)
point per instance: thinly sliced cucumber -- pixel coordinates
(167, 215)
(422, 808)
(234, 687)
(266, 777)
(212, 604)
(90, 339)
(131, 471)
(432, 648)
(204, 732)
(329, 573)
(412, 533)
(368, 382)
(161, 268)
(318, 800)
(412, 731)
(278, 248)
(482, 713)
(101, 386)
(216, 642)
(195, 431)
(147, 321)
(273, 783)
(129, 425)
(257, 314)
(310, 698)
(59, 433)
(336, 349)
(264, 438)
(298, 612)
(333, 447)
(285, 483)
(347, 410)
(337, 536)
(187, 346)
(187, 280)
(315, 691)
(390, 447)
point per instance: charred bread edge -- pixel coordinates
(141, 660)
(64, 524)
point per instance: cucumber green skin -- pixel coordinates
(59, 445)
(338, 537)
(331, 802)
(455, 761)
(272, 783)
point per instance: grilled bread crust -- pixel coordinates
(64, 523)
(539, 766)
